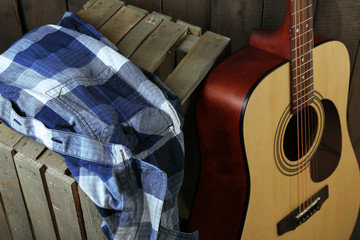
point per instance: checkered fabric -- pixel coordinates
(117, 126)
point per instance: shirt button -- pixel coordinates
(128, 130)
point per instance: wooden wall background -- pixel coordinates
(336, 19)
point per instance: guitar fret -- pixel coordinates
(310, 85)
(301, 10)
(303, 64)
(309, 99)
(295, 59)
(303, 96)
(302, 45)
(302, 82)
(302, 73)
(310, 30)
(307, 20)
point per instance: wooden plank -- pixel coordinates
(194, 67)
(76, 5)
(138, 9)
(89, 4)
(53, 160)
(188, 43)
(31, 176)
(194, 30)
(10, 188)
(273, 14)
(92, 218)
(176, 9)
(8, 136)
(5, 232)
(65, 202)
(149, 5)
(163, 16)
(29, 147)
(37, 12)
(10, 30)
(235, 19)
(340, 22)
(194, 12)
(136, 36)
(199, 13)
(154, 49)
(121, 23)
(99, 12)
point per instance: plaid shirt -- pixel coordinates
(117, 126)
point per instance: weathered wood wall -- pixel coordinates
(336, 19)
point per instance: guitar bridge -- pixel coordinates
(295, 219)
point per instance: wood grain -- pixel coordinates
(100, 11)
(137, 35)
(154, 49)
(10, 30)
(75, 5)
(149, 5)
(5, 232)
(31, 176)
(65, 202)
(235, 19)
(37, 12)
(196, 12)
(193, 68)
(11, 191)
(92, 218)
(121, 23)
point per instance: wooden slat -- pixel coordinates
(53, 160)
(194, 67)
(89, 4)
(65, 202)
(236, 19)
(136, 36)
(154, 49)
(92, 218)
(10, 30)
(121, 23)
(163, 16)
(4, 226)
(194, 30)
(11, 192)
(38, 12)
(31, 175)
(99, 12)
(29, 147)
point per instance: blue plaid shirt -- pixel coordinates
(117, 126)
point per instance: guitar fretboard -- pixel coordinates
(301, 34)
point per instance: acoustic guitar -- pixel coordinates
(277, 161)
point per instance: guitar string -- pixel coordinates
(293, 42)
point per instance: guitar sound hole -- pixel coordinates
(300, 133)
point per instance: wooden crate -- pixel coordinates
(39, 199)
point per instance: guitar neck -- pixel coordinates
(301, 53)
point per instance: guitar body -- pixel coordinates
(249, 180)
